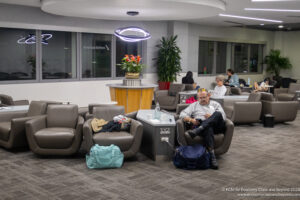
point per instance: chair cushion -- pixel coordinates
(218, 138)
(121, 139)
(108, 112)
(5, 128)
(267, 96)
(175, 88)
(293, 88)
(166, 100)
(254, 97)
(62, 116)
(55, 138)
(285, 97)
(37, 108)
(228, 111)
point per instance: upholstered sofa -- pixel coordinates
(59, 132)
(168, 99)
(283, 111)
(129, 142)
(12, 125)
(7, 100)
(287, 94)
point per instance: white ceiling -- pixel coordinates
(197, 11)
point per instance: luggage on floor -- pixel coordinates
(104, 157)
(191, 157)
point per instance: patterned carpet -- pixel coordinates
(259, 159)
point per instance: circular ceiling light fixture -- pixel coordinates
(132, 34)
(280, 26)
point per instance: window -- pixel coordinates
(240, 57)
(96, 55)
(18, 55)
(123, 48)
(58, 55)
(40, 55)
(206, 57)
(216, 57)
(222, 57)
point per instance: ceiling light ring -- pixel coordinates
(132, 38)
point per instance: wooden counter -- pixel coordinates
(133, 98)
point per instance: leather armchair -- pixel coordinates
(59, 132)
(89, 114)
(283, 111)
(168, 99)
(8, 101)
(245, 112)
(287, 94)
(129, 142)
(12, 125)
(222, 141)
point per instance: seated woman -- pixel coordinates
(188, 79)
(220, 89)
(233, 79)
(263, 85)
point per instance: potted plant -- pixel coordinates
(168, 62)
(275, 63)
(132, 66)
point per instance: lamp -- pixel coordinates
(31, 39)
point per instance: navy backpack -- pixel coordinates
(191, 157)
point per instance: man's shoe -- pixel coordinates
(213, 160)
(192, 133)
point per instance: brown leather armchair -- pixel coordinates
(168, 99)
(12, 125)
(8, 101)
(287, 94)
(222, 141)
(57, 133)
(245, 112)
(129, 142)
(283, 111)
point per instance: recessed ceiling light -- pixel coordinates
(270, 0)
(262, 24)
(251, 18)
(280, 26)
(271, 10)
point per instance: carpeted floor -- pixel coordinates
(259, 159)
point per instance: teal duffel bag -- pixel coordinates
(104, 157)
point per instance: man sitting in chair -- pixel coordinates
(208, 118)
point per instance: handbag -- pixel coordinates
(102, 157)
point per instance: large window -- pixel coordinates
(206, 57)
(41, 56)
(18, 54)
(58, 55)
(96, 55)
(123, 48)
(216, 57)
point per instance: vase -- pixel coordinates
(130, 75)
(163, 85)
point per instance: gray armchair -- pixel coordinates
(59, 132)
(222, 140)
(287, 94)
(8, 101)
(168, 99)
(283, 111)
(90, 113)
(129, 142)
(245, 112)
(12, 125)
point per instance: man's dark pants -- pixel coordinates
(215, 124)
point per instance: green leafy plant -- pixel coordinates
(275, 62)
(168, 61)
(132, 64)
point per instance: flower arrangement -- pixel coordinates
(132, 64)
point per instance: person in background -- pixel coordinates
(188, 79)
(208, 118)
(220, 89)
(233, 79)
(263, 85)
